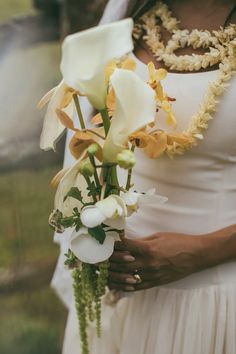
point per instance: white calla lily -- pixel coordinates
(85, 55)
(135, 107)
(72, 178)
(134, 200)
(88, 250)
(110, 211)
(52, 127)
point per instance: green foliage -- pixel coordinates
(71, 260)
(98, 233)
(93, 190)
(67, 222)
(74, 192)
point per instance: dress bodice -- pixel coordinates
(200, 185)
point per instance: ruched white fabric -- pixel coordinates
(197, 314)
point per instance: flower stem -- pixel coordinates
(114, 180)
(78, 109)
(128, 183)
(92, 160)
(105, 119)
(95, 133)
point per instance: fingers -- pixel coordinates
(121, 257)
(121, 287)
(135, 247)
(122, 278)
(127, 268)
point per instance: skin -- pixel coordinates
(166, 257)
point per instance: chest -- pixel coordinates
(189, 90)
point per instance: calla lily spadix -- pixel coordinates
(89, 250)
(52, 127)
(135, 107)
(86, 54)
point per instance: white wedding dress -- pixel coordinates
(197, 314)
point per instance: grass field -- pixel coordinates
(26, 200)
(31, 318)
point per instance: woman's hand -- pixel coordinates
(159, 259)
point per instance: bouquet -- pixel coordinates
(90, 199)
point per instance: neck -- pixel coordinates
(204, 14)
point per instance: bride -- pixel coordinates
(182, 300)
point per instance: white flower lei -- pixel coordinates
(222, 50)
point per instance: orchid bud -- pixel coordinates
(126, 159)
(93, 149)
(86, 168)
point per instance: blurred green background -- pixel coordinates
(32, 318)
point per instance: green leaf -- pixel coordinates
(67, 222)
(78, 225)
(76, 211)
(98, 233)
(93, 189)
(74, 192)
(71, 260)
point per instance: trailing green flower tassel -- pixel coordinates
(89, 285)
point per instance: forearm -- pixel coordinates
(220, 246)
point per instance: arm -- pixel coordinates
(166, 257)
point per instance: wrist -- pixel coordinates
(219, 246)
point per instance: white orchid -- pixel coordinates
(86, 54)
(88, 250)
(59, 97)
(135, 107)
(134, 200)
(110, 211)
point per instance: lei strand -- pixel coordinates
(222, 50)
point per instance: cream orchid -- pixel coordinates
(110, 211)
(85, 55)
(135, 108)
(59, 97)
(88, 250)
(134, 200)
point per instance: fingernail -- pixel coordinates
(130, 280)
(129, 288)
(129, 258)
